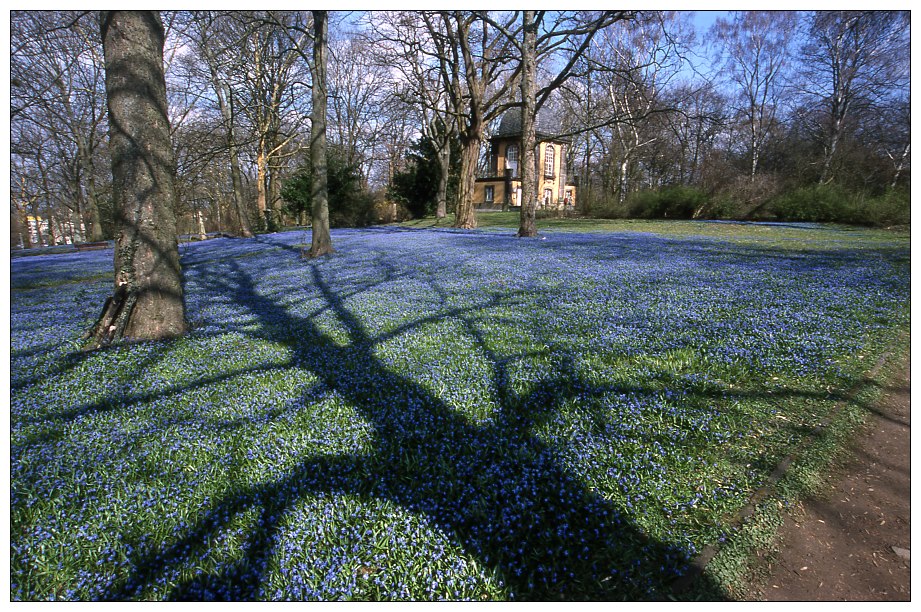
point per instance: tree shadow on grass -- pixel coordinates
(499, 491)
(503, 494)
(508, 498)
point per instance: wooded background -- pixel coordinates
(781, 115)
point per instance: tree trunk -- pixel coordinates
(274, 185)
(441, 196)
(148, 301)
(900, 166)
(53, 235)
(23, 211)
(202, 234)
(464, 216)
(237, 181)
(528, 224)
(85, 159)
(38, 226)
(261, 176)
(623, 181)
(838, 112)
(320, 243)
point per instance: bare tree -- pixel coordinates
(214, 44)
(478, 68)
(269, 80)
(853, 60)
(757, 46)
(571, 34)
(357, 86)
(403, 44)
(635, 66)
(57, 85)
(895, 138)
(148, 299)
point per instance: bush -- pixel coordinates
(349, 204)
(891, 208)
(743, 198)
(813, 203)
(602, 206)
(833, 203)
(676, 202)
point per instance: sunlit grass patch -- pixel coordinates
(431, 414)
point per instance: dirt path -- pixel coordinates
(853, 543)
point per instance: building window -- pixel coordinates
(549, 161)
(490, 193)
(548, 197)
(511, 159)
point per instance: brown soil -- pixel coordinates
(852, 543)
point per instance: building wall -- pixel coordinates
(557, 190)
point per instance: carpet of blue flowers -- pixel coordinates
(427, 414)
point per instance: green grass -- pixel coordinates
(783, 235)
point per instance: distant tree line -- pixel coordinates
(769, 114)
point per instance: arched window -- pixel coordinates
(549, 161)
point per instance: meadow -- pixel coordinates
(432, 414)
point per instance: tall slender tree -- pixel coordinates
(320, 242)
(148, 298)
(757, 45)
(212, 44)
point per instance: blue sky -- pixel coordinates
(704, 19)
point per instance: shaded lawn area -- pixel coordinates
(429, 414)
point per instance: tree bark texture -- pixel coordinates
(274, 183)
(148, 299)
(444, 164)
(528, 224)
(320, 243)
(464, 215)
(261, 179)
(236, 178)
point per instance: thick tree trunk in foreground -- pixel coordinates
(528, 225)
(321, 242)
(148, 300)
(464, 215)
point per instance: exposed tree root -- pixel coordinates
(312, 253)
(114, 319)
